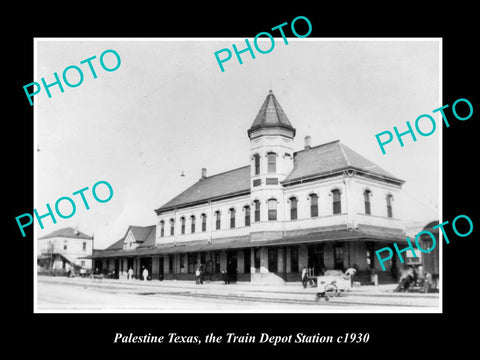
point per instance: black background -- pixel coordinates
(390, 334)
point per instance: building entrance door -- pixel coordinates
(232, 265)
(160, 268)
(273, 260)
(315, 259)
(146, 263)
(116, 268)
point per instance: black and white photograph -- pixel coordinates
(259, 188)
(226, 181)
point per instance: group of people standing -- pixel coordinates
(414, 277)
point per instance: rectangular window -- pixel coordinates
(272, 162)
(257, 163)
(192, 219)
(182, 225)
(337, 209)
(82, 263)
(389, 206)
(293, 209)
(271, 181)
(192, 262)
(217, 221)
(247, 215)
(257, 182)
(257, 210)
(313, 205)
(232, 218)
(272, 209)
(366, 196)
(294, 259)
(84, 246)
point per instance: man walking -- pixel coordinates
(304, 277)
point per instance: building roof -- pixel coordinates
(321, 160)
(226, 184)
(68, 232)
(332, 157)
(142, 234)
(271, 114)
(366, 233)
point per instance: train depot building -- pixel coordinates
(324, 207)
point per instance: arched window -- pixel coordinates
(293, 208)
(172, 227)
(162, 228)
(272, 162)
(204, 222)
(182, 225)
(247, 215)
(313, 205)
(192, 222)
(217, 220)
(256, 159)
(366, 195)
(389, 205)
(337, 205)
(272, 210)
(232, 218)
(257, 210)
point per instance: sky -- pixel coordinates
(169, 109)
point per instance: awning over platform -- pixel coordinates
(245, 242)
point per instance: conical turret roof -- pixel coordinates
(271, 115)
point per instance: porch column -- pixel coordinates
(280, 261)
(252, 261)
(263, 260)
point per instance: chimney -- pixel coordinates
(308, 139)
(204, 173)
